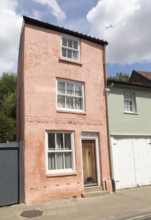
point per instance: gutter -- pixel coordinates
(107, 91)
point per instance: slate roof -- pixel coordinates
(45, 25)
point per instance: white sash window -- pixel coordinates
(129, 103)
(70, 95)
(70, 48)
(60, 151)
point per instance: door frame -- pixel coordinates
(92, 136)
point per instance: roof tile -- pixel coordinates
(145, 74)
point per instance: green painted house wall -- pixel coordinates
(121, 123)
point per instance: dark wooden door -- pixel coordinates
(89, 162)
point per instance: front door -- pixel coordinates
(89, 162)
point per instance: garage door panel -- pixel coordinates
(142, 156)
(139, 148)
(126, 164)
(148, 162)
(125, 169)
(148, 159)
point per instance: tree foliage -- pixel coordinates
(8, 83)
(7, 128)
(120, 77)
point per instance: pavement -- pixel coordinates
(123, 204)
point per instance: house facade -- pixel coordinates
(130, 133)
(62, 112)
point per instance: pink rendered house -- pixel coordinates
(62, 112)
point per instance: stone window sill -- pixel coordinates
(61, 174)
(71, 112)
(131, 113)
(64, 59)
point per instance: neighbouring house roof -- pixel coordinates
(127, 84)
(145, 74)
(141, 77)
(45, 25)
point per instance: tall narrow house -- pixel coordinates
(61, 112)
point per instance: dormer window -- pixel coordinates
(70, 48)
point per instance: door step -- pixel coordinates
(93, 191)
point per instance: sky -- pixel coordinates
(124, 24)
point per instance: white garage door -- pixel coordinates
(131, 162)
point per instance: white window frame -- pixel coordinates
(132, 102)
(56, 171)
(71, 49)
(72, 96)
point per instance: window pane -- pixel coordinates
(128, 105)
(128, 99)
(61, 87)
(59, 159)
(51, 141)
(75, 55)
(69, 53)
(125, 96)
(75, 44)
(67, 141)
(68, 163)
(64, 52)
(70, 89)
(61, 101)
(69, 43)
(128, 96)
(64, 41)
(70, 102)
(51, 161)
(127, 108)
(59, 139)
(78, 103)
(78, 90)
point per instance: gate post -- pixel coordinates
(21, 172)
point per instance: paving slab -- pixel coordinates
(123, 204)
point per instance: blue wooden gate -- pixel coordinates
(11, 174)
